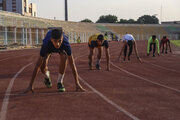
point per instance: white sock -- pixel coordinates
(98, 61)
(60, 78)
(47, 74)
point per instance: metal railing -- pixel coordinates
(34, 36)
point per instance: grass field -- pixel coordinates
(176, 42)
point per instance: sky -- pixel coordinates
(124, 9)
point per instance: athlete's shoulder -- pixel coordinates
(105, 37)
(47, 37)
(150, 38)
(65, 40)
(65, 37)
(95, 35)
(106, 42)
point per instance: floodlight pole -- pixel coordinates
(161, 13)
(66, 10)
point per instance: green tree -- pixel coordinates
(147, 19)
(107, 19)
(123, 21)
(130, 21)
(86, 20)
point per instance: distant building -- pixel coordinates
(2, 5)
(171, 22)
(32, 9)
(19, 6)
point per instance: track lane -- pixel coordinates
(137, 97)
(70, 106)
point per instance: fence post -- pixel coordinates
(75, 37)
(15, 41)
(81, 34)
(85, 36)
(37, 39)
(142, 37)
(176, 36)
(159, 36)
(42, 33)
(5, 36)
(137, 36)
(23, 36)
(170, 35)
(26, 35)
(147, 36)
(30, 36)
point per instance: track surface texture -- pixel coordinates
(129, 91)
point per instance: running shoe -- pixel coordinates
(124, 59)
(47, 82)
(90, 66)
(60, 87)
(98, 67)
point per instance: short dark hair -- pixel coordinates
(153, 37)
(100, 37)
(164, 37)
(56, 34)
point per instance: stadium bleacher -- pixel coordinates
(39, 26)
(143, 31)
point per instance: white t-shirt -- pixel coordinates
(128, 37)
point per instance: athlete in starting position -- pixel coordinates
(165, 41)
(153, 41)
(130, 42)
(97, 41)
(55, 42)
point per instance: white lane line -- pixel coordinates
(109, 101)
(170, 88)
(79, 57)
(50, 93)
(21, 49)
(14, 57)
(7, 94)
(165, 68)
(6, 58)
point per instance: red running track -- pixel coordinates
(131, 90)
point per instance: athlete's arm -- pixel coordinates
(148, 47)
(169, 44)
(122, 49)
(136, 52)
(157, 43)
(90, 56)
(75, 74)
(160, 44)
(35, 72)
(107, 58)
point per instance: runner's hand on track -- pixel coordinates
(29, 89)
(140, 60)
(108, 69)
(80, 89)
(118, 58)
